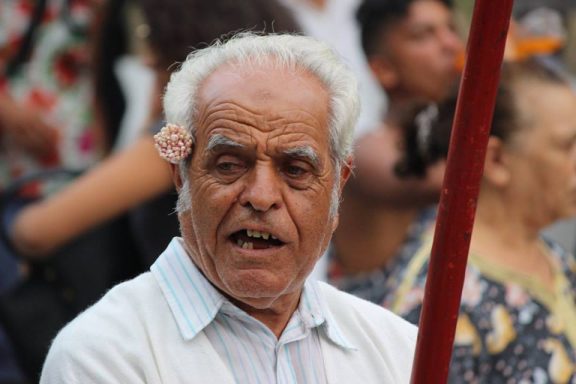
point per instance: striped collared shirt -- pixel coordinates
(249, 349)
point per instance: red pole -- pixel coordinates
(457, 207)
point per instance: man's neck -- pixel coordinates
(273, 312)
(275, 316)
(369, 235)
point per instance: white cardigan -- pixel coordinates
(130, 336)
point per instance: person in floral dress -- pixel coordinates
(47, 110)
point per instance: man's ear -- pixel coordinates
(496, 166)
(176, 178)
(384, 71)
(345, 172)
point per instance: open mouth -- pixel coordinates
(249, 239)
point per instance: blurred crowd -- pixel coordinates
(86, 202)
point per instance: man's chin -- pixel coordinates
(258, 289)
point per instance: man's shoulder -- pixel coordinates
(384, 343)
(118, 308)
(111, 328)
(350, 310)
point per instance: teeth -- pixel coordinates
(248, 245)
(257, 234)
(274, 237)
(239, 242)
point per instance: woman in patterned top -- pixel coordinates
(517, 321)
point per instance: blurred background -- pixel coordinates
(85, 202)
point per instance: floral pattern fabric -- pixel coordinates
(55, 80)
(511, 329)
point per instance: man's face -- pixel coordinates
(261, 178)
(417, 56)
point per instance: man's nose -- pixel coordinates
(451, 41)
(262, 189)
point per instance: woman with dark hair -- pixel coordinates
(517, 319)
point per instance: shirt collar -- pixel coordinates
(194, 302)
(315, 311)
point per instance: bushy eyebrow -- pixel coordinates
(219, 140)
(304, 152)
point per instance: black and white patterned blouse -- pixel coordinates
(511, 328)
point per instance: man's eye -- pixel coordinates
(295, 171)
(228, 166)
(422, 33)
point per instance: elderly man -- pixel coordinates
(260, 131)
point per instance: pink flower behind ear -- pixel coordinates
(173, 143)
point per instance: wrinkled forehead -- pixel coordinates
(265, 96)
(262, 81)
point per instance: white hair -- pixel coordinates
(287, 51)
